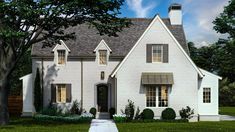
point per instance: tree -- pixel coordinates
(204, 57)
(227, 93)
(37, 92)
(26, 22)
(23, 67)
(225, 22)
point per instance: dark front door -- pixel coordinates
(102, 98)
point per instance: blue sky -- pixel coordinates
(197, 16)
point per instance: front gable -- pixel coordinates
(158, 33)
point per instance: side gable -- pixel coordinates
(209, 73)
(171, 35)
(62, 43)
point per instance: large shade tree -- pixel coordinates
(26, 22)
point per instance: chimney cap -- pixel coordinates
(174, 6)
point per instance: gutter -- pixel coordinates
(81, 83)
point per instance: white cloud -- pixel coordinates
(140, 10)
(200, 15)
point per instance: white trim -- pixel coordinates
(22, 78)
(61, 42)
(102, 42)
(172, 36)
(220, 78)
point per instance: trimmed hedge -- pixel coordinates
(147, 114)
(68, 119)
(168, 114)
(159, 120)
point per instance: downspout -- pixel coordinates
(115, 80)
(42, 81)
(81, 83)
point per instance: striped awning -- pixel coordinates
(157, 78)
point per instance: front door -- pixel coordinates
(102, 98)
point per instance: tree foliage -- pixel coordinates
(227, 93)
(225, 22)
(26, 22)
(24, 67)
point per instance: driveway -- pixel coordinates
(103, 125)
(227, 118)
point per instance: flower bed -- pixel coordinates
(85, 117)
(119, 118)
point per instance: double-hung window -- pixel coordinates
(206, 95)
(102, 57)
(61, 57)
(157, 53)
(61, 93)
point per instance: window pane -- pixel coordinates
(151, 97)
(103, 57)
(61, 56)
(61, 93)
(157, 53)
(163, 96)
(206, 95)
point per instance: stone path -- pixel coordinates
(227, 118)
(103, 125)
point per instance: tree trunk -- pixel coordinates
(4, 115)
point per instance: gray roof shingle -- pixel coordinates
(88, 38)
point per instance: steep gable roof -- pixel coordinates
(87, 39)
(157, 18)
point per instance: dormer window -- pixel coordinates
(61, 57)
(103, 57)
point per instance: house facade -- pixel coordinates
(147, 63)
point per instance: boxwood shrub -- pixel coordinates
(168, 114)
(93, 111)
(147, 114)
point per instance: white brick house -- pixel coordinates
(147, 63)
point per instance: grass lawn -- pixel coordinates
(225, 126)
(30, 125)
(227, 111)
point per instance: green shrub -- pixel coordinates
(158, 120)
(186, 113)
(75, 109)
(168, 114)
(93, 111)
(147, 114)
(137, 114)
(51, 111)
(120, 118)
(129, 110)
(111, 112)
(67, 119)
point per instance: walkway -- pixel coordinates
(103, 125)
(227, 118)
